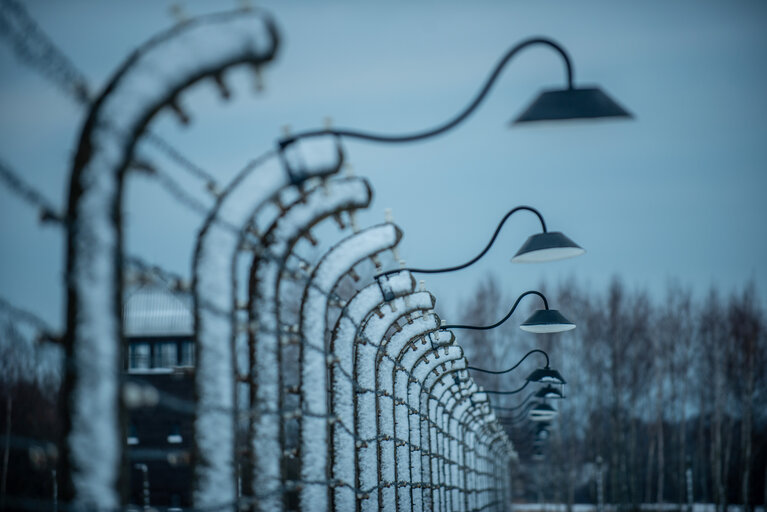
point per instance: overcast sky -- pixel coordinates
(675, 194)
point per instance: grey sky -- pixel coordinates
(676, 193)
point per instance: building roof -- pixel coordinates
(151, 310)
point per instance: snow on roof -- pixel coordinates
(155, 311)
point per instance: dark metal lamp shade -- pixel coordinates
(574, 103)
(549, 391)
(547, 376)
(542, 412)
(549, 246)
(547, 321)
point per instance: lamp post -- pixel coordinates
(542, 321)
(541, 247)
(552, 105)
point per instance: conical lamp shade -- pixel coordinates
(575, 103)
(549, 391)
(550, 246)
(546, 375)
(547, 321)
(542, 412)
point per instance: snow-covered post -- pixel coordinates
(466, 435)
(499, 457)
(456, 403)
(480, 460)
(451, 395)
(407, 387)
(395, 443)
(343, 350)
(369, 338)
(264, 318)
(150, 80)
(475, 418)
(422, 372)
(438, 433)
(443, 386)
(408, 422)
(314, 356)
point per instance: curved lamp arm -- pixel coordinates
(499, 372)
(512, 392)
(412, 137)
(512, 420)
(486, 327)
(478, 256)
(516, 407)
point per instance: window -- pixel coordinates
(165, 355)
(187, 353)
(138, 355)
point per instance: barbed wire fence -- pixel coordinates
(351, 401)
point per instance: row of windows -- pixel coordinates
(164, 354)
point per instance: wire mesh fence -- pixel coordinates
(316, 386)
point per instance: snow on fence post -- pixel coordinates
(115, 122)
(439, 434)
(455, 393)
(407, 426)
(324, 201)
(370, 337)
(437, 393)
(460, 407)
(422, 371)
(450, 394)
(403, 380)
(475, 417)
(343, 349)
(478, 456)
(395, 445)
(315, 356)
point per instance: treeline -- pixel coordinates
(669, 393)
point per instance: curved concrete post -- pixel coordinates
(94, 274)
(449, 394)
(439, 435)
(448, 466)
(343, 350)
(422, 372)
(264, 310)
(314, 355)
(403, 379)
(440, 403)
(393, 416)
(369, 338)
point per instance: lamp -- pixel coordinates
(546, 375)
(551, 105)
(542, 412)
(547, 246)
(571, 103)
(538, 248)
(547, 321)
(542, 321)
(549, 391)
